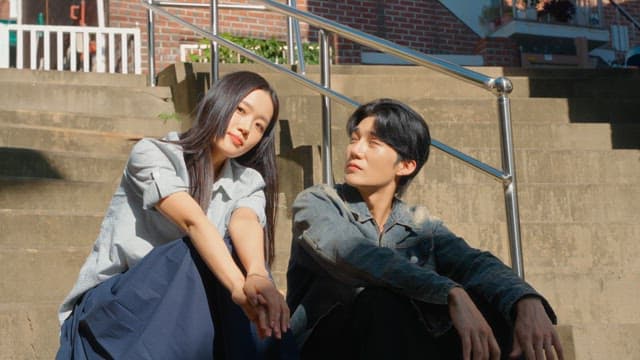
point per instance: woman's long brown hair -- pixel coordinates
(211, 121)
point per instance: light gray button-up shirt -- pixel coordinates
(132, 226)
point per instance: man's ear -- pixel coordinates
(406, 167)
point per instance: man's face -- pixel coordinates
(371, 164)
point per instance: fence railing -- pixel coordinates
(74, 48)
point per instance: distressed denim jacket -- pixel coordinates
(337, 251)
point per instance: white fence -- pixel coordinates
(71, 48)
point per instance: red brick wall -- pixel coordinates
(423, 25)
(169, 34)
(498, 52)
(613, 17)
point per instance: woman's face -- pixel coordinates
(247, 125)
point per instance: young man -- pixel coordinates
(370, 277)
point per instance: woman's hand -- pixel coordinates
(262, 293)
(255, 312)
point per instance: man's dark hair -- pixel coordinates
(400, 127)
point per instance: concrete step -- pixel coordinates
(73, 78)
(572, 250)
(417, 85)
(478, 202)
(80, 98)
(61, 139)
(548, 167)
(51, 275)
(147, 126)
(484, 203)
(466, 109)
(593, 341)
(48, 229)
(566, 248)
(593, 297)
(20, 162)
(533, 110)
(539, 166)
(618, 123)
(415, 81)
(56, 195)
(29, 330)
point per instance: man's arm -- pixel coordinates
(323, 230)
(483, 273)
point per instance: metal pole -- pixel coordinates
(215, 58)
(151, 45)
(290, 53)
(508, 164)
(384, 45)
(325, 80)
(298, 41)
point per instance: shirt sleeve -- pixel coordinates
(483, 273)
(153, 171)
(323, 229)
(255, 201)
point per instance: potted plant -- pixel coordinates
(556, 10)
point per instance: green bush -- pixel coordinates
(271, 49)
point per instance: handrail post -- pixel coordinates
(325, 80)
(504, 87)
(296, 31)
(215, 58)
(151, 45)
(290, 53)
(293, 29)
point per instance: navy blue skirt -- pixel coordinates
(168, 306)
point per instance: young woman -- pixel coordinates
(180, 269)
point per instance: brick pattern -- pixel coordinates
(169, 35)
(613, 17)
(423, 25)
(498, 52)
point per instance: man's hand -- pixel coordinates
(476, 335)
(534, 334)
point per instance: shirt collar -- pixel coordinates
(400, 213)
(225, 180)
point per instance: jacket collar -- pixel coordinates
(400, 213)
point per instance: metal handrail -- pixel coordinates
(499, 86)
(293, 31)
(626, 14)
(387, 46)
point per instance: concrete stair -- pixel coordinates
(64, 139)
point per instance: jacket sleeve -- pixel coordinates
(483, 273)
(323, 228)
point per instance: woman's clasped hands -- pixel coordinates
(265, 306)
